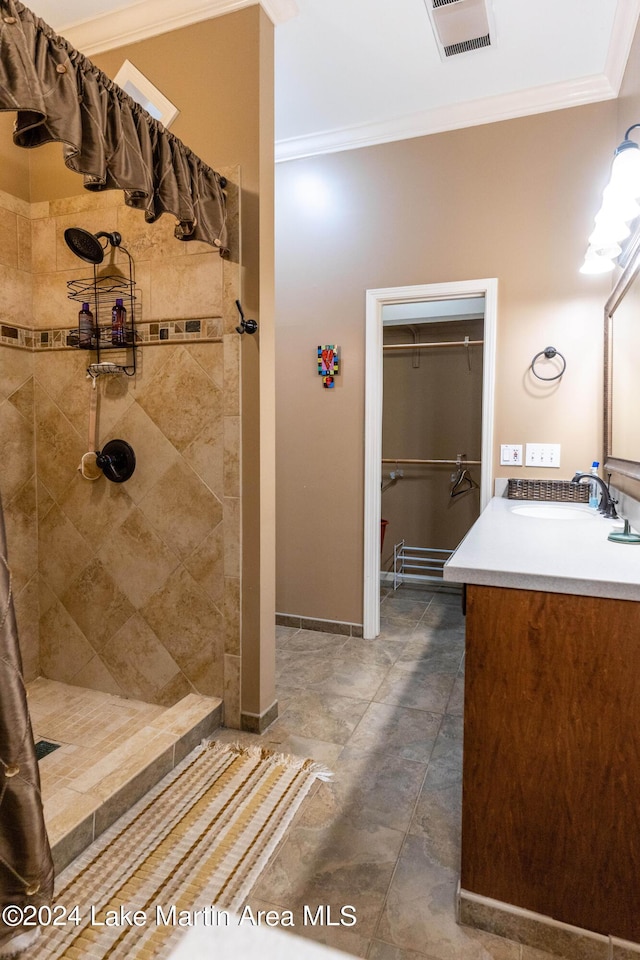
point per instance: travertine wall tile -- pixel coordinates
(232, 612)
(196, 399)
(16, 367)
(206, 566)
(21, 524)
(137, 584)
(231, 375)
(232, 525)
(181, 509)
(26, 609)
(24, 244)
(150, 241)
(16, 296)
(139, 560)
(8, 238)
(186, 287)
(17, 445)
(232, 691)
(43, 245)
(232, 441)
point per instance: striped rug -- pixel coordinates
(191, 849)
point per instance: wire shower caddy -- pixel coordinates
(101, 291)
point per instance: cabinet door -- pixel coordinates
(551, 779)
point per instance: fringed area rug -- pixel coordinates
(191, 849)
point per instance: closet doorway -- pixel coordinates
(428, 428)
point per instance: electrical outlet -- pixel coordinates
(511, 454)
(543, 455)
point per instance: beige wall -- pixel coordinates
(14, 162)
(513, 200)
(220, 75)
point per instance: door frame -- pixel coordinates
(375, 301)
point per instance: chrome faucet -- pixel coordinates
(607, 504)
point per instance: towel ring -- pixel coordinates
(549, 353)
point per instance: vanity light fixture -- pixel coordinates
(619, 208)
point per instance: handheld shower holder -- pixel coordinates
(245, 326)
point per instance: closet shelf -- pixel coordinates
(458, 462)
(442, 343)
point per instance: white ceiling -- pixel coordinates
(356, 72)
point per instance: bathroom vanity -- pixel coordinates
(551, 769)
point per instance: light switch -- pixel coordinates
(511, 454)
(543, 455)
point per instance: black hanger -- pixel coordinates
(462, 483)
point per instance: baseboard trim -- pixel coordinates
(258, 722)
(539, 931)
(341, 627)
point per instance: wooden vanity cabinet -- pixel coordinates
(551, 770)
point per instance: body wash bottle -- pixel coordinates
(85, 328)
(118, 323)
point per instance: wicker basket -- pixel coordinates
(563, 490)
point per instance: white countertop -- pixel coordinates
(507, 549)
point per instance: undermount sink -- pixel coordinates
(555, 511)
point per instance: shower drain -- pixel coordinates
(44, 747)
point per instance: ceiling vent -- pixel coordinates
(461, 25)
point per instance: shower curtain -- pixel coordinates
(26, 866)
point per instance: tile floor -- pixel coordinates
(386, 717)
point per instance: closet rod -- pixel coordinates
(443, 343)
(460, 462)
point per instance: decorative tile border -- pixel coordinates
(14, 336)
(204, 330)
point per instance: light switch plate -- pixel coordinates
(511, 454)
(543, 455)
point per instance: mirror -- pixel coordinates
(621, 365)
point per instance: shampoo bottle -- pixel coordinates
(85, 327)
(594, 492)
(118, 323)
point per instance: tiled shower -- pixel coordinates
(131, 589)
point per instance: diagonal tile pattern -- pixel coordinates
(138, 584)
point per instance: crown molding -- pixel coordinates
(556, 96)
(623, 31)
(149, 18)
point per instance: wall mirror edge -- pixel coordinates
(617, 461)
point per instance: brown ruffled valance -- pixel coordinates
(59, 95)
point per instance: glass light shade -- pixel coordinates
(624, 207)
(609, 250)
(625, 171)
(608, 229)
(594, 264)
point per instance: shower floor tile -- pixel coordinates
(111, 751)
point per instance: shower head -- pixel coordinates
(87, 245)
